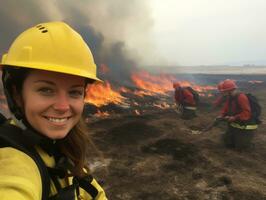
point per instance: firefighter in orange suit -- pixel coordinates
(185, 101)
(237, 112)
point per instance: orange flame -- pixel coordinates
(161, 84)
(162, 105)
(101, 114)
(254, 81)
(100, 94)
(152, 84)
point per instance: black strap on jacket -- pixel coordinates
(12, 136)
(85, 184)
(231, 100)
(181, 95)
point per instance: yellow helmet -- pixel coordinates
(52, 46)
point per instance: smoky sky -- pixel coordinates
(104, 25)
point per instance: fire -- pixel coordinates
(161, 84)
(152, 84)
(203, 88)
(142, 93)
(254, 82)
(162, 105)
(124, 90)
(101, 94)
(101, 114)
(185, 83)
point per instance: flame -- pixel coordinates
(100, 94)
(162, 105)
(101, 114)
(254, 82)
(161, 84)
(200, 88)
(152, 84)
(142, 93)
(124, 90)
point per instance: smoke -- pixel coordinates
(117, 31)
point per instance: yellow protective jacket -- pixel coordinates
(20, 177)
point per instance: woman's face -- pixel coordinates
(52, 102)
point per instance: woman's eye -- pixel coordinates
(76, 93)
(46, 91)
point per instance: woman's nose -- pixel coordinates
(62, 103)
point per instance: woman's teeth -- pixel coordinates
(57, 119)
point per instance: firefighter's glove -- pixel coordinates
(230, 118)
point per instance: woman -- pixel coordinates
(45, 73)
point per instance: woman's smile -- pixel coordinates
(58, 120)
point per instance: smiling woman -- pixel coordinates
(45, 73)
(59, 101)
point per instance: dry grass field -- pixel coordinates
(156, 155)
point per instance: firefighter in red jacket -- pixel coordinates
(185, 101)
(237, 112)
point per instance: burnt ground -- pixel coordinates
(159, 156)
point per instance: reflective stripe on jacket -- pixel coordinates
(190, 107)
(244, 127)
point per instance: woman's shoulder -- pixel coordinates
(19, 175)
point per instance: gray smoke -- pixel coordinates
(111, 28)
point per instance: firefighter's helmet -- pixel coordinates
(52, 46)
(176, 85)
(228, 85)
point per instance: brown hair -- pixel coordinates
(76, 145)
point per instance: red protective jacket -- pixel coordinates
(184, 97)
(240, 111)
(219, 101)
